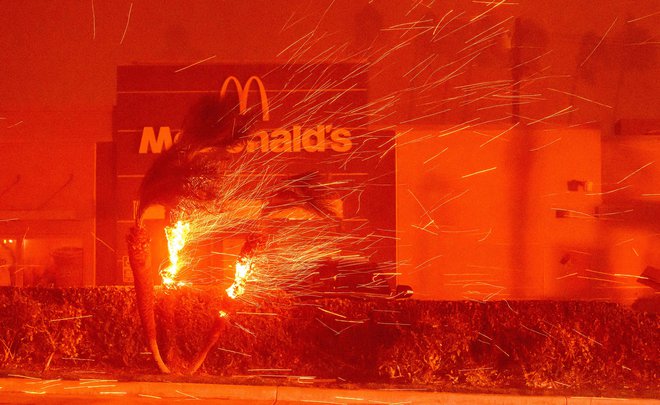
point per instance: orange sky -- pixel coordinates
(62, 56)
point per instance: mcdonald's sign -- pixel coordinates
(312, 119)
(318, 138)
(243, 93)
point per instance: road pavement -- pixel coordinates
(100, 391)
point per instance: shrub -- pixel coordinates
(591, 347)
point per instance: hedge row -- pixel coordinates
(585, 347)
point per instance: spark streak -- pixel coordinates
(70, 318)
(497, 136)
(482, 33)
(328, 327)
(599, 42)
(587, 337)
(580, 97)
(630, 275)
(492, 7)
(478, 172)
(624, 242)
(446, 24)
(635, 172)
(436, 155)
(330, 312)
(486, 235)
(502, 350)
(435, 31)
(487, 337)
(424, 116)
(530, 60)
(563, 111)
(93, 21)
(426, 262)
(535, 331)
(95, 380)
(643, 17)
(128, 20)
(104, 243)
(426, 212)
(23, 376)
(256, 313)
(449, 200)
(194, 64)
(149, 396)
(610, 191)
(187, 395)
(600, 279)
(545, 145)
(234, 352)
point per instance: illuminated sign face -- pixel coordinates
(320, 138)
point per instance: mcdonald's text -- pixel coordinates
(322, 138)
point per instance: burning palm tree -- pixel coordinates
(209, 192)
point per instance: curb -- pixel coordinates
(285, 395)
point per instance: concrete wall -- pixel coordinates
(547, 217)
(487, 214)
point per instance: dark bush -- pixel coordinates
(585, 347)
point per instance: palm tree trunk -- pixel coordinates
(139, 257)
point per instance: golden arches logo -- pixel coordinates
(243, 93)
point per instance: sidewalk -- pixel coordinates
(281, 395)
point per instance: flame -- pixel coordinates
(243, 270)
(176, 240)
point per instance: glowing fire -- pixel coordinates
(286, 261)
(243, 270)
(177, 236)
(176, 240)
